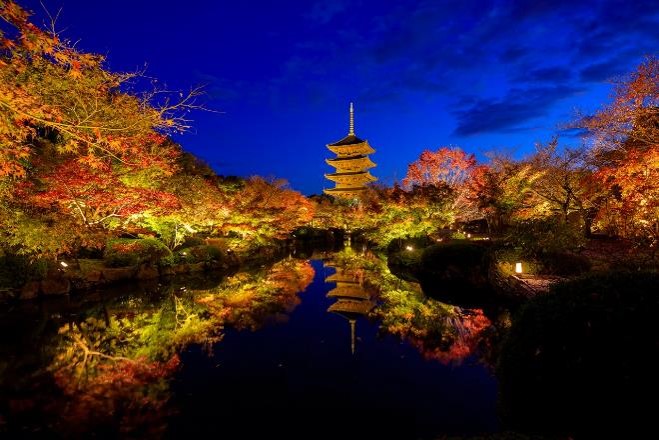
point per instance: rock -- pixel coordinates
(30, 290)
(147, 272)
(197, 267)
(93, 276)
(168, 270)
(112, 274)
(181, 268)
(55, 286)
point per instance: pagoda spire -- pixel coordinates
(351, 130)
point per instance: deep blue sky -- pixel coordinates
(482, 75)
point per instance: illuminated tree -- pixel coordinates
(503, 191)
(47, 86)
(262, 211)
(625, 142)
(450, 166)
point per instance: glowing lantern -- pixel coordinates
(409, 248)
(518, 267)
(468, 235)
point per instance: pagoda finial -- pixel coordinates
(352, 120)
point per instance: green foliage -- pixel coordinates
(199, 254)
(16, 270)
(124, 252)
(507, 258)
(547, 235)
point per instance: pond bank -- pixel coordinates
(85, 274)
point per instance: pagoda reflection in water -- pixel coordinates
(352, 300)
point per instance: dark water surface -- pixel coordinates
(332, 345)
(298, 377)
(253, 354)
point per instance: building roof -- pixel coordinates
(351, 139)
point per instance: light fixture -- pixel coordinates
(468, 235)
(518, 267)
(409, 248)
(63, 263)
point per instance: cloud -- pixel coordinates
(325, 11)
(604, 70)
(505, 115)
(554, 74)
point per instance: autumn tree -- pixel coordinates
(625, 151)
(265, 210)
(450, 166)
(48, 85)
(566, 184)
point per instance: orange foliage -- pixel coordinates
(451, 166)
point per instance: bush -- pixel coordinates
(564, 264)
(199, 254)
(582, 358)
(16, 270)
(544, 236)
(122, 252)
(549, 263)
(454, 267)
(462, 253)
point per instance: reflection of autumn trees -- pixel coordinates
(439, 331)
(115, 368)
(248, 300)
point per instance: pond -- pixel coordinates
(330, 345)
(333, 343)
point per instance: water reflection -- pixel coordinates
(107, 367)
(440, 331)
(352, 299)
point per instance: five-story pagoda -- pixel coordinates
(352, 164)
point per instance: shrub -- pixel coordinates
(124, 252)
(541, 236)
(16, 270)
(564, 264)
(455, 253)
(549, 263)
(457, 267)
(199, 254)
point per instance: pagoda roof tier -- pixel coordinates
(359, 178)
(349, 292)
(344, 192)
(361, 307)
(341, 278)
(351, 139)
(352, 164)
(351, 150)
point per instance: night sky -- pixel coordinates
(485, 76)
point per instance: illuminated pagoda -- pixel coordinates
(353, 300)
(352, 164)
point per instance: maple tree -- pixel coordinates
(263, 210)
(624, 136)
(97, 196)
(46, 85)
(451, 166)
